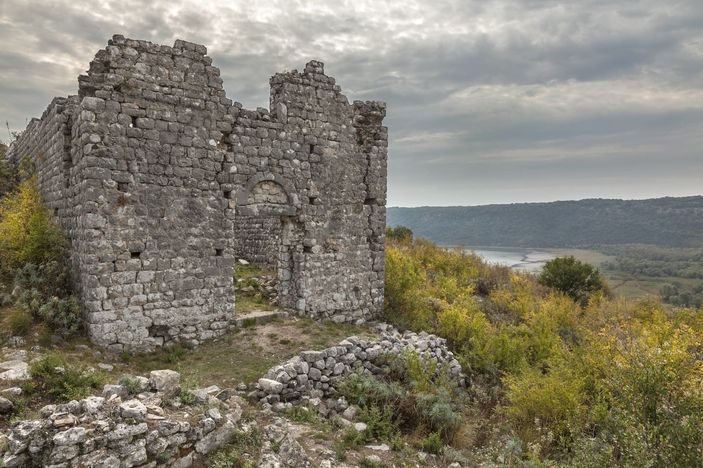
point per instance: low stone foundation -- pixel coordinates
(313, 376)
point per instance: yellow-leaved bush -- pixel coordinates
(608, 382)
(27, 232)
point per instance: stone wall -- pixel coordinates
(314, 375)
(160, 182)
(48, 142)
(257, 239)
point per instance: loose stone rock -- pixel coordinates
(133, 409)
(165, 381)
(360, 427)
(6, 406)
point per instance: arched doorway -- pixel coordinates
(266, 232)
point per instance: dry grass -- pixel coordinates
(240, 356)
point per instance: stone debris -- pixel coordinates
(160, 181)
(15, 369)
(379, 448)
(165, 381)
(6, 406)
(133, 409)
(289, 453)
(264, 285)
(311, 377)
(12, 392)
(360, 427)
(112, 432)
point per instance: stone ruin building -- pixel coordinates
(161, 182)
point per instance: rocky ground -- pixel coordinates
(158, 420)
(263, 395)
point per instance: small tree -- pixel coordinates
(400, 234)
(574, 278)
(27, 232)
(8, 174)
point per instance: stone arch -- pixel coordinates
(267, 195)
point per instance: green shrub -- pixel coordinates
(576, 279)
(432, 443)
(365, 390)
(62, 315)
(54, 376)
(439, 413)
(400, 234)
(38, 282)
(131, 384)
(45, 290)
(350, 439)
(388, 408)
(381, 422)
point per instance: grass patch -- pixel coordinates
(247, 303)
(54, 376)
(242, 452)
(16, 321)
(245, 272)
(300, 414)
(242, 355)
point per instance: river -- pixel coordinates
(523, 259)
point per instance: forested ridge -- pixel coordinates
(669, 221)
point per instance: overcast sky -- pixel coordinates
(489, 101)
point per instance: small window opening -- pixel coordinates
(135, 254)
(122, 186)
(56, 212)
(370, 201)
(134, 122)
(311, 148)
(228, 194)
(312, 200)
(225, 144)
(219, 252)
(307, 248)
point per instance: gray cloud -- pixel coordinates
(489, 100)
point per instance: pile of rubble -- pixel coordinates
(140, 422)
(312, 376)
(264, 285)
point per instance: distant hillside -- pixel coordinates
(666, 221)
